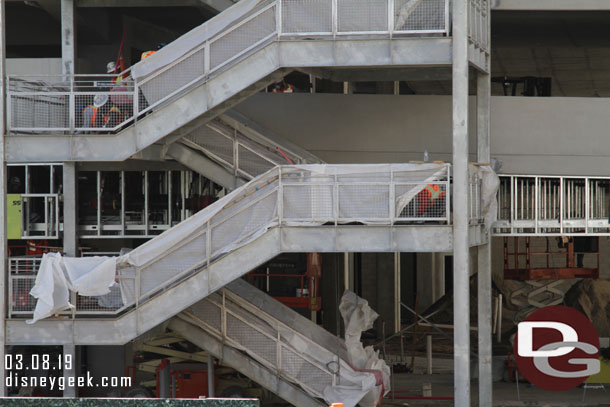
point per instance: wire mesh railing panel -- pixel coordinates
(174, 264)
(252, 163)
(305, 372)
(39, 111)
(243, 224)
(21, 302)
(159, 87)
(307, 16)
(364, 202)
(209, 312)
(107, 303)
(427, 201)
(308, 202)
(420, 16)
(251, 339)
(362, 15)
(239, 309)
(242, 37)
(213, 142)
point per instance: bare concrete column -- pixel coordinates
(461, 261)
(68, 37)
(68, 45)
(3, 185)
(484, 251)
(70, 352)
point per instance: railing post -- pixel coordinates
(448, 191)
(208, 243)
(447, 24)
(536, 200)
(561, 204)
(334, 13)
(587, 205)
(136, 100)
(206, 59)
(392, 200)
(280, 198)
(278, 18)
(72, 106)
(10, 298)
(391, 17)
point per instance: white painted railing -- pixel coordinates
(552, 205)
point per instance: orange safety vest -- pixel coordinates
(428, 196)
(93, 116)
(146, 55)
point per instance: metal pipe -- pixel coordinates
(210, 375)
(429, 354)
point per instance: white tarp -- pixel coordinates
(194, 38)
(88, 276)
(358, 316)
(239, 218)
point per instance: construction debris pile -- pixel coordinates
(592, 298)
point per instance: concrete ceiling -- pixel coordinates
(571, 48)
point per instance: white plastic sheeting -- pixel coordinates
(88, 276)
(358, 316)
(194, 38)
(312, 195)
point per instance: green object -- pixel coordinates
(13, 212)
(58, 402)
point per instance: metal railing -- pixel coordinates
(23, 271)
(236, 322)
(478, 23)
(553, 205)
(290, 195)
(40, 216)
(284, 196)
(60, 104)
(242, 156)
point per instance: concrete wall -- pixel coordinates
(529, 135)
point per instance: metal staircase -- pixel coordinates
(265, 340)
(308, 208)
(193, 80)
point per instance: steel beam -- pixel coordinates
(204, 166)
(484, 279)
(3, 199)
(70, 224)
(461, 260)
(551, 5)
(214, 5)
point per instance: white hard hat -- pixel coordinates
(100, 100)
(110, 67)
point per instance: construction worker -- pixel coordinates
(92, 114)
(113, 117)
(283, 87)
(430, 201)
(146, 54)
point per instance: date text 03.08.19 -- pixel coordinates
(35, 361)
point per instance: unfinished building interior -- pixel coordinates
(235, 166)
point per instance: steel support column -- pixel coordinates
(68, 52)
(461, 261)
(484, 251)
(3, 185)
